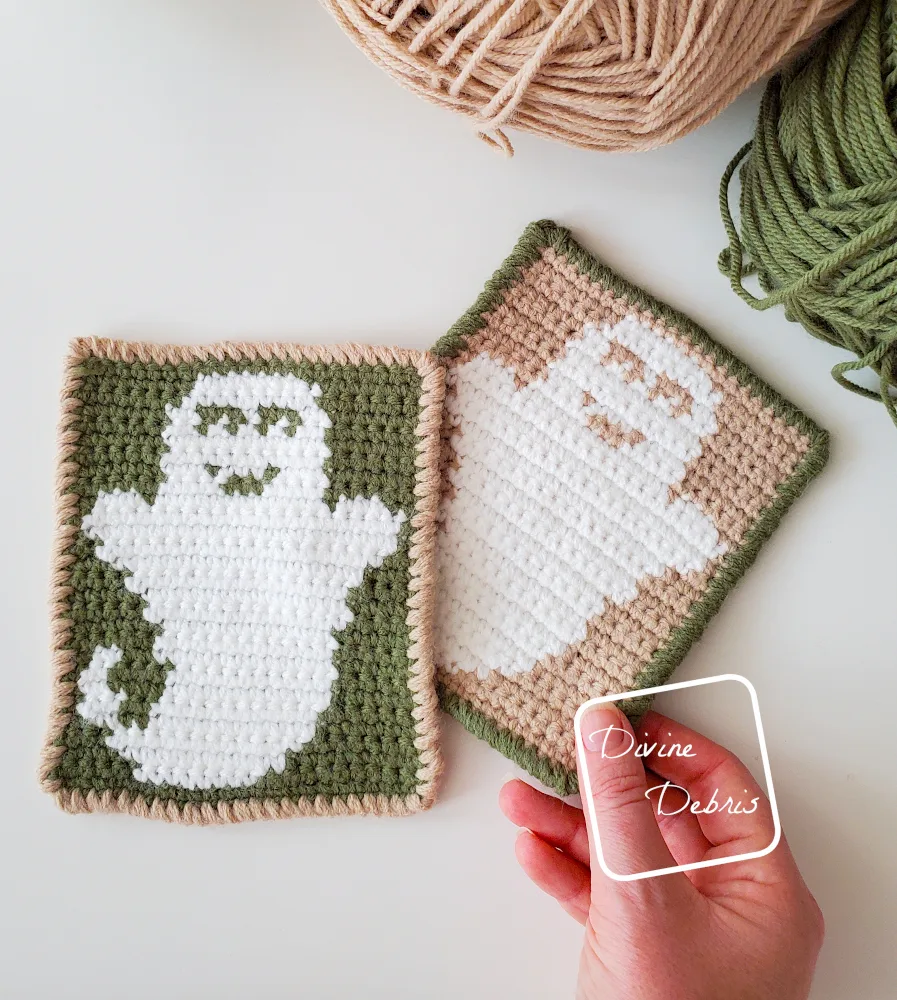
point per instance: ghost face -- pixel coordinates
(236, 436)
(645, 401)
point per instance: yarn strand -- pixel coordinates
(818, 203)
(599, 74)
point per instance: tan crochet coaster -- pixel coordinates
(243, 582)
(609, 473)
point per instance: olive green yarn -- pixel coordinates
(509, 744)
(365, 740)
(230, 417)
(270, 415)
(819, 196)
(248, 485)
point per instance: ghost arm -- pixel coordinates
(367, 529)
(122, 523)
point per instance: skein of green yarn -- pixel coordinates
(819, 195)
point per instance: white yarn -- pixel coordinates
(248, 590)
(548, 520)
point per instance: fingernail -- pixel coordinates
(603, 729)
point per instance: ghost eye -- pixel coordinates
(628, 364)
(271, 415)
(680, 400)
(211, 416)
(612, 432)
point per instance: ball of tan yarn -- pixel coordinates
(599, 74)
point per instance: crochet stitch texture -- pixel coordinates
(609, 472)
(244, 581)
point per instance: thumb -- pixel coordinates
(626, 839)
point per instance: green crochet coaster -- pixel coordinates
(243, 581)
(609, 472)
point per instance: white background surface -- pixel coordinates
(190, 171)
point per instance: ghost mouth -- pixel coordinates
(242, 485)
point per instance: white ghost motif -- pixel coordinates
(247, 571)
(562, 496)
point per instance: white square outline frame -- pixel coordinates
(590, 803)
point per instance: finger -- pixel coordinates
(680, 830)
(630, 840)
(729, 805)
(547, 817)
(568, 881)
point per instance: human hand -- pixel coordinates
(748, 930)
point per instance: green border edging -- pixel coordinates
(509, 744)
(536, 237)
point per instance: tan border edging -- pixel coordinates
(420, 601)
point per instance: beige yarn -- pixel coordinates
(599, 74)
